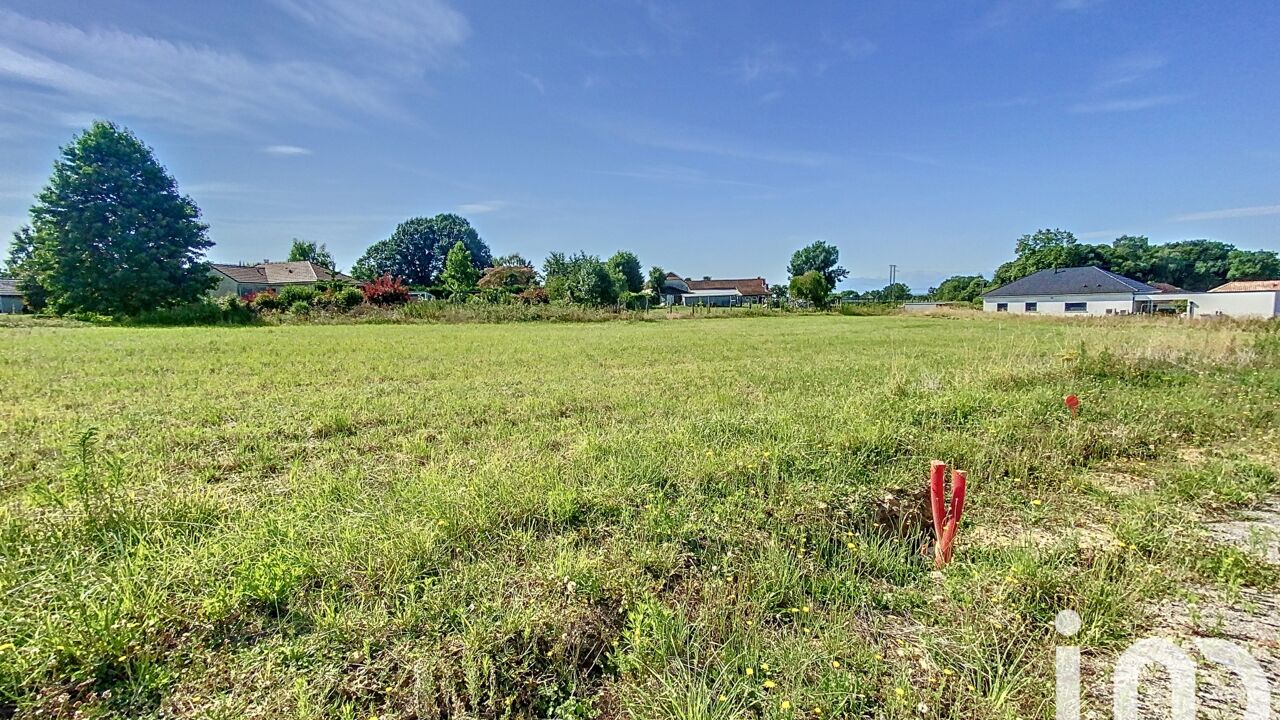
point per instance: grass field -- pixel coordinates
(712, 518)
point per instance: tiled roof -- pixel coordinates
(1248, 285)
(1071, 281)
(282, 273)
(9, 287)
(1166, 287)
(745, 286)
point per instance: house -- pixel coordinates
(244, 279)
(712, 292)
(1071, 291)
(1094, 291)
(1240, 299)
(10, 297)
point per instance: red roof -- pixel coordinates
(745, 286)
(1248, 285)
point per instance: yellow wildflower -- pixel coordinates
(786, 704)
(764, 667)
(835, 663)
(751, 671)
(1037, 502)
(899, 692)
(769, 684)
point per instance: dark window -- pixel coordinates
(1077, 307)
(1032, 307)
(1002, 307)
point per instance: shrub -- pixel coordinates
(229, 310)
(349, 297)
(265, 300)
(386, 290)
(534, 296)
(300, 307)
(293, 294)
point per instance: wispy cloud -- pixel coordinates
(678, 175)
(1229, 213)
(286, 150)
(765, 62)
(480, 208)
(1126, 104)
(535, 81)
(1075, 5)
(1129, 68)
(691, 141)
(129, 75)
(421, 29)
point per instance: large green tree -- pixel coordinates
(1041, 250)
(1253, 265)
(582, 278)
(959, 288)
(460, 275)
(657, 279)
(511, 260)
(309, 251)
(20, 267)
(416, 251)
(811, 286)
(627, 266)
(820, 257)
(110, 233)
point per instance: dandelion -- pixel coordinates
(723, 697)
(751, 671)
(806, 608)
(1037, 502)
(879, 656)
(835, 663)
(899, 692)
(769, 684)
(817, 710)
(947, 671)
(786, 704)
(764, 667)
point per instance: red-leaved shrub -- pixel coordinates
(386, 290)
(534, 296)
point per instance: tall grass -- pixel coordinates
(571, 520)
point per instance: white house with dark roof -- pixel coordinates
(1094, 291)
(1072, 291)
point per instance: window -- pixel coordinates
(1032, 307)
(1002, 307)
(1077, 307)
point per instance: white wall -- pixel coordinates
(1056, 304)
(1262, 304)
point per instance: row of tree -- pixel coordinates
(111, 234)
(1192, 265)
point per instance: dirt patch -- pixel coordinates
(1249, 618)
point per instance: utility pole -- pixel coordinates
(893, 274)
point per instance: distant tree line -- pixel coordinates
(1192, 265)
(111, 234)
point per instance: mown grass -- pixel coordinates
(648, 519)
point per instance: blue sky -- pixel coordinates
(709, 138)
